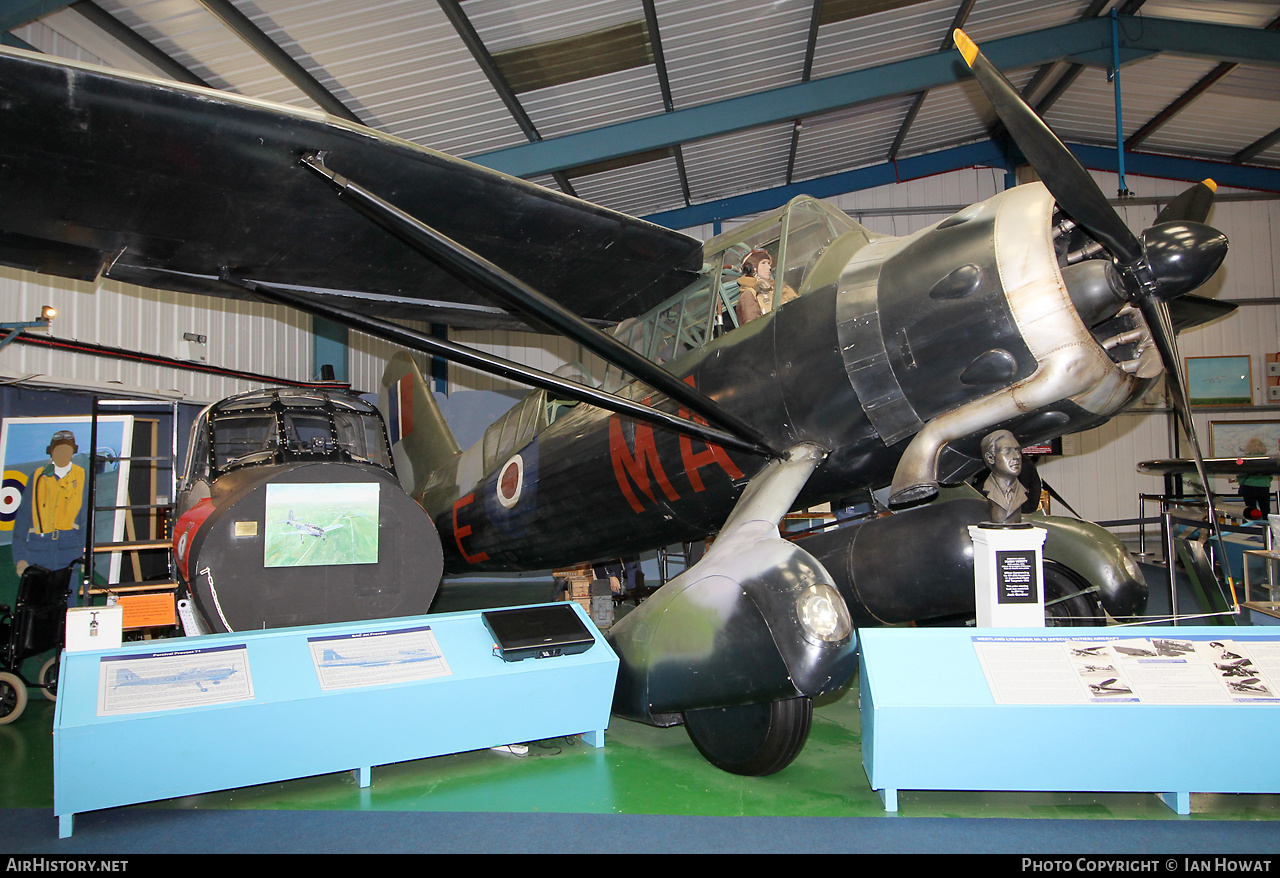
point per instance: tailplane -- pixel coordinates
(421, 441)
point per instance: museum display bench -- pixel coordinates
(974, 709)
(234, 710)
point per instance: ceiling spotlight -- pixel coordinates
(13, 330)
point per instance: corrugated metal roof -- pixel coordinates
(852, 138)
(738, 163)
(1087, 110)
(404, 67)
(871, 40)
(725, 48)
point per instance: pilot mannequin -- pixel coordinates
(1003, 456)
(756, 285)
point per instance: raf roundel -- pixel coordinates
(11, 497)
(511, 482)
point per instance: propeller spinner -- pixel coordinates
(1171, 258)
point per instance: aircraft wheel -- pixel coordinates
(1078, 610)
(48, 679)
(13, 698)
(751, 739)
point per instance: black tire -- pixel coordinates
(13, 697)
(751, 739)
(48, 679)
(1080, 609)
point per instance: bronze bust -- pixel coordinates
(1003, 456)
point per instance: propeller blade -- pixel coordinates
(1156, 314)
(1191, 311)
(1071, 185)
(1192, 204)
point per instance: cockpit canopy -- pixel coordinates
(793, 236)
(286, 425)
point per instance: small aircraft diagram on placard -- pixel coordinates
(198, 676)
(792, 361)
(331, 658)
(1110, 687)
(1249, 686)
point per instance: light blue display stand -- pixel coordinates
(291, 727)
(930, 722)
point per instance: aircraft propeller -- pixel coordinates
(1173, 257)
(1192, 204)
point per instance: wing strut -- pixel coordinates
(483, 275)
(457, 353)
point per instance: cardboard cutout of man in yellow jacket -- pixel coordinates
(49, 528)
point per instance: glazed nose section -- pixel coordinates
(1183, 256)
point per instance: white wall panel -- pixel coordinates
(543, 352)
(368, 358)
(257, 338)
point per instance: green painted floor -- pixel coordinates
(640, 770)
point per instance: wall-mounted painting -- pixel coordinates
(313, 525)
(27, 447)
(1219, 380)
(1244, 438)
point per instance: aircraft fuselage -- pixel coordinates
(892, 360)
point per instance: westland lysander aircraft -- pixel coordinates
(876, 362)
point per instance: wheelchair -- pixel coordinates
(35, 624)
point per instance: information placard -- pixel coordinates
(377, 657)
(1064, 669)
(141, 683)
(1017, 576)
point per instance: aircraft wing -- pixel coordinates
(163, 185)
(1214, 466)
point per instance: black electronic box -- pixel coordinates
(537, 632)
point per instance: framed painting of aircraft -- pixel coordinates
(314, 525)
(1220, 380)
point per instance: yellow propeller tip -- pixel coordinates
(1213, 187)
(968, 48)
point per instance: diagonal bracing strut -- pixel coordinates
(513, 293)
(457, 353)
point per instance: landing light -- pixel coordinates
(823, 614)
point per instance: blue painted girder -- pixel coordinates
(985, 153)
(1087, 41)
